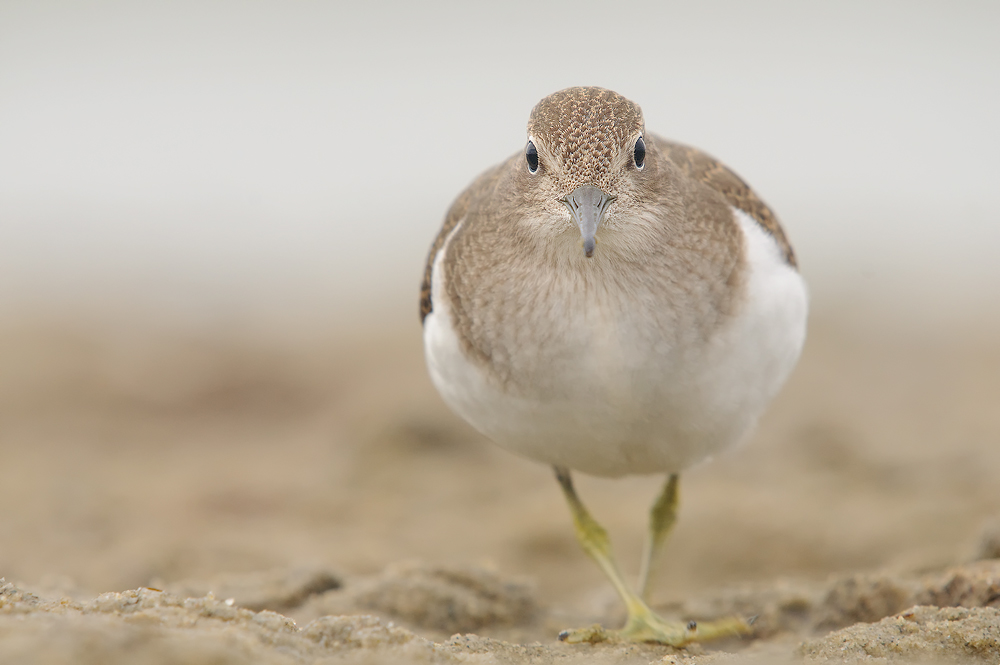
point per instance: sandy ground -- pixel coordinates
(216, 498)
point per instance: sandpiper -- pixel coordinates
(612, 302)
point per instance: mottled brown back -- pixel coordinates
(703, 168)
(455, 214)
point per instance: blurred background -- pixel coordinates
(213, 222)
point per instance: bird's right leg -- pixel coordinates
(592, 537)
(642, 624)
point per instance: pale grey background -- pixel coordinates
(290, 162)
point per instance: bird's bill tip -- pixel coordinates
(587, 205)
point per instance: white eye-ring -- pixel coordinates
(639, 153)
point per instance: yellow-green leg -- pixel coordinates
(662, 516)
(642, 624)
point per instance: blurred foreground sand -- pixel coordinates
(324, 476)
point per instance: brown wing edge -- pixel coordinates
(704, 168)
(456, 213)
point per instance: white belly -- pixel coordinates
(633, 405)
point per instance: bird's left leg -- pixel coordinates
(662, 516)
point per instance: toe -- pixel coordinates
(589, 635)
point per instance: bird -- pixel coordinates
(610, 302)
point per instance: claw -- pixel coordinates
(590, 635)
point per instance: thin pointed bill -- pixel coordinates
(587, 204)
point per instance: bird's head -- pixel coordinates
(586, 156)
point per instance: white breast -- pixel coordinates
(636, 405)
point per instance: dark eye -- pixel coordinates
(640, 153)
(532, 156)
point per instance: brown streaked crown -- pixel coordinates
(585, 128)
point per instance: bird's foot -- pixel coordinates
(648, 627)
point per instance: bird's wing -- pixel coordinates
(705, 169)
(458, 211)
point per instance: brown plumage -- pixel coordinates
(705, 169)
(568, 117)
